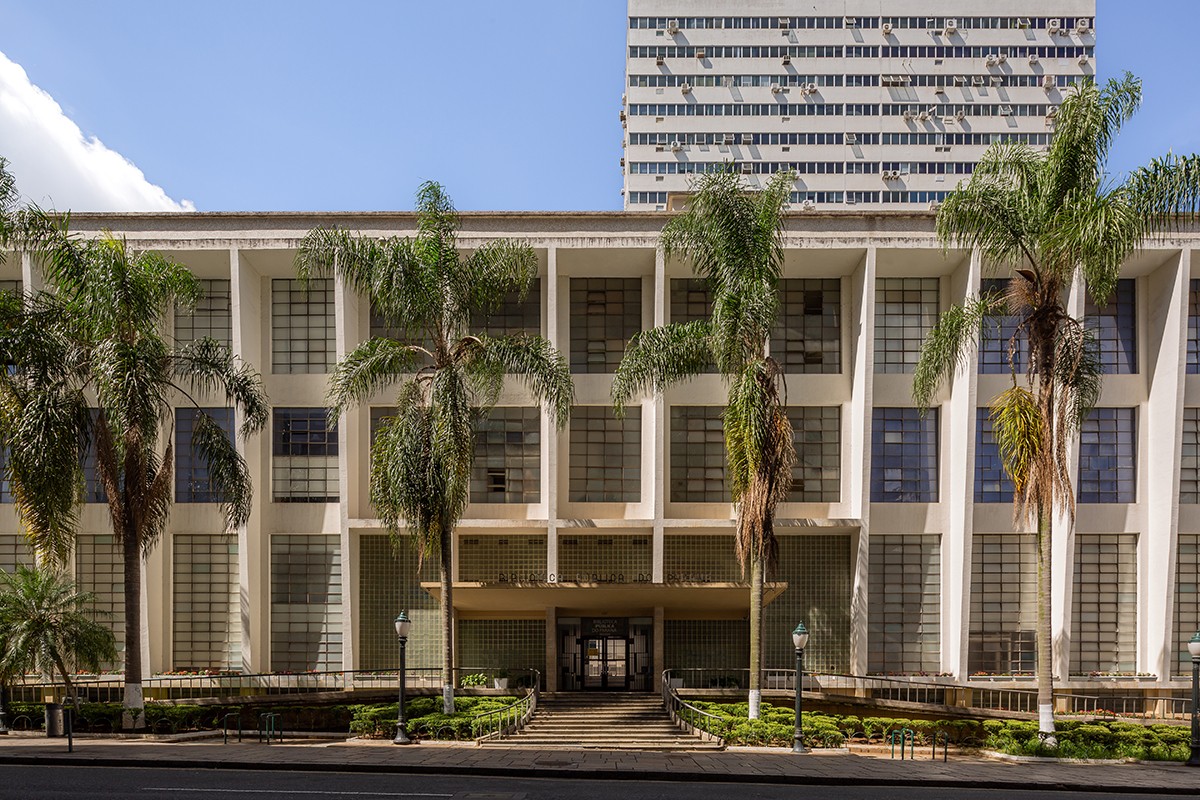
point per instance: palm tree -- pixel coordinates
(8, 202)
(95, 338)
(447, 378)
(734, 239)
(48, 627)
(1048, 219)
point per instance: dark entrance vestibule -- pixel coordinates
(605, 654)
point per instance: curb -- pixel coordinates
(1023, 785)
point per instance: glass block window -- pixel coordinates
(996, 336)
(905, 311)
(1104, 604)
(605, 314)
(14, 552)
(513, 316)
(502, 559)
(192, 481)
(992, 484)
(605, 455)
(707, 558)
(593, 558)
(1003, 627)
(713, 644)
(508, 644)
(904, 456)
(807, 336)
(690, 301)
(818, 572)
(904, 605)
(305, 456)
(306, 603)
(507, 466)
(302, 326)
(1189, 472)
(1115, 328)
(1108, 456)
(206, 607)
(1187, 600)
(698, 455)
(817, 475)
(100, 571)
(388, 583)
(212, 318)
(1193, 340)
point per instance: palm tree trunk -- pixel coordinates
(134, 700)
(447, 609)
(1045, 647)
(68, 687)
(756, 633)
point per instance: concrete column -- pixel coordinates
(661, 431)
(1063, 556)
(550, 437)
(1159, 449)
(254, 546)
(957, 460)
(660, 649)
(551, 670)
(346, 326)
(856, 429)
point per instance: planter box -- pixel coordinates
(500, 683)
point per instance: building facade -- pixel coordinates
(603, 553)
(883, 105)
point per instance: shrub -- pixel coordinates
(474, 679)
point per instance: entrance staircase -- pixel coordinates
(573, 721)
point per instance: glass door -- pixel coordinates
(605, 663)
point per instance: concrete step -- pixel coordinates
(602, 722)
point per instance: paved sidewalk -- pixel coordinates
(739, 765)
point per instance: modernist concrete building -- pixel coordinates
(873, 103)
(603, 553)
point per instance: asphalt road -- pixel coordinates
(105, 783)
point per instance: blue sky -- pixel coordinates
(273, 105)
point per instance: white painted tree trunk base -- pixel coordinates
(447, 699)
(135, 715)
(1046, 725)
(755, 703)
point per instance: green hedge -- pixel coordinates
(1090, 739)
(424, 717)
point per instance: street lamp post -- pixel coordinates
(800, 640)
(1194, 649)
(403, 623)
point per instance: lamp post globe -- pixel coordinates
(1194, 649)
(403, 624)
(799, 641)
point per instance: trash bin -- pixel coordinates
(54, 719)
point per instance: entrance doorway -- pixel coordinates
(606, 663)
(604, 654)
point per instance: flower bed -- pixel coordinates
(1088, 739)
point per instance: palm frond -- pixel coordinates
(371, 367)
(659, 357)
(532, 360)
(949, 346)
(210, 366)
(227, 471)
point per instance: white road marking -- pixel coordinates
(292, 792)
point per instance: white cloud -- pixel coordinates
(56, 166)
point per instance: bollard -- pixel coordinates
(225, 726)
(945, 740)
(68, 720)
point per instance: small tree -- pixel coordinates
(47, 627)
(448, 377)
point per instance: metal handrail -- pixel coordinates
(511, 718)
(686, 715)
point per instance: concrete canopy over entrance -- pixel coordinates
(677, 600)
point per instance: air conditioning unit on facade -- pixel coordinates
(701, 53)
(1048, 83)
(886, 28)
(676, 146)
(923, 116)
(934, 205)
(851, 138)
(940, 90)
(728, 139)
(808, 205)
(850, 22)
(776, 88)
(951, 26)
(1054, 25)
(1002, 58)
(686, 88)
(992, 60)
(1006, 111)
(1024, 23)
(909, 115)
(1033, 58)
(785, 22)
(747, 138)
(659, 60)
(810, 89)
(960, 80)
(1083, 26)
(747, 169)
(787, 60)
(959, 116)
(672, 26)
(1084, 61)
